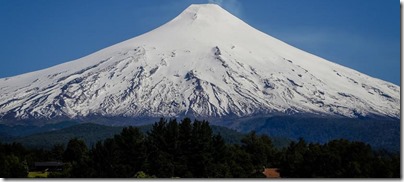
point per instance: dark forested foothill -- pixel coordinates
(190, 149)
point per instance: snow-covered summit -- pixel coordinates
(207, 13)
(205, 62)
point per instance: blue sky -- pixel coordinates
(360, 34)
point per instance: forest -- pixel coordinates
(190, 149)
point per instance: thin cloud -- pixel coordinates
(233, 6)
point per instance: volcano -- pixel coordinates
(204, 63)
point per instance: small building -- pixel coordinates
(52, 166)
(271, 173)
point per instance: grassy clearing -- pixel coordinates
(38, 174)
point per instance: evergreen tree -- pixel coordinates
(185, 145)
(13, 167)
(159, 160)
(240, 162)
(105, 159)
(131, 152)
(200, 151)
(57, 152)
(76, 150)
(261, 150)
(293, 160)
(220, 157)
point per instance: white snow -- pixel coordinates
(206, 62)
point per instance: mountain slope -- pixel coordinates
(12, 131)
(91, 133)
(203, 63)
(88, 132)
(379, 133)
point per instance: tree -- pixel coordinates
(57, 152)
(131, 151)
(293, 159)
(14, 167)
(76, 150)
(13, 162)
(261, 150)
(240, 162)
(221, 158)
(159, 160)
(184, 137)
(200, 151)
(105, 159)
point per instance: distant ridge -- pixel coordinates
(92, 133)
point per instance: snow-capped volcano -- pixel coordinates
(205, 62)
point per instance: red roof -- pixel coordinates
(271, 173)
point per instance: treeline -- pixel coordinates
(189, 149)
(337, 159)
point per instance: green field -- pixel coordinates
(38, 174)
